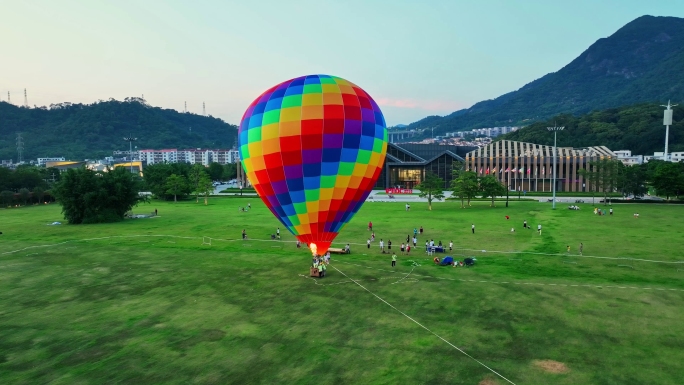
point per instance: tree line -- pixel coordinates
(179, 180)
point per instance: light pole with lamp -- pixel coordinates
(555, 130)
(667, 122)
(130, 141)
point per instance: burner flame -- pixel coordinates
(313, 248)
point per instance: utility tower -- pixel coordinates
(20, 148)
(204, 109)
(25, 99)
(185, 110)
(8, 98)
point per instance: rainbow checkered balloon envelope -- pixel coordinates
(313, 148)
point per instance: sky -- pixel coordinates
(415, 58)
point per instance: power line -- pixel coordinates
(20, 147)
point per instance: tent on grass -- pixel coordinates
(447, 261)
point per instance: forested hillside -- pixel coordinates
(638, 128)
(78, 131)
(641, 62)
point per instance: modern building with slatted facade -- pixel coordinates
(529, 167)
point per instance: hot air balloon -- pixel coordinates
(313, 148)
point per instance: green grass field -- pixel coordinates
(144, 301)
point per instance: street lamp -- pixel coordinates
(667, 122)
(507, 189)
(555, 130)
(130, 141)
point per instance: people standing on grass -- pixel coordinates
(389, 244)
(155, 212)
(402, 248)
(415, 232)
(525, 224)
(407, 207)
(451, 245)
(382, 246)
(581, 248)
(408, 239)
(299, 244)
(249, 206)
(368, 243)
(568, 250)
(408, 250)
(244, 234)
(611, 211)
(415, 241)
(472, 227)
(394, 259)
(539, 228)
(421, 229)
(426, 245)
(370, 226)
(278, 232)
(373, 237)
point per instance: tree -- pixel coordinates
(607, 170)
(7, 197)
(491, 187)
(195, 175)
(24, 195)
(230, 171)
(431, 188)
(669, 179)
(634, 181)
(175, 185)
(215, 171)
(88, 196)
(39, 194)
(205, 187)
(157, 174)
(465, 186)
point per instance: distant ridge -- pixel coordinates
(641, 62)
(78, 131)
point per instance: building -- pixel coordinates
(192, 156)
(42, 161)
(407, 163)
(65, 165)
(677, 156)
(490, 132)
(529, 167)
(626, 157)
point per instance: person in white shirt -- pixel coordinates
(451, 245)
(539, 229)
(415, 241)
(473, 228)
(382, 245)
(407, 207)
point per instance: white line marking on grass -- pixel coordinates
(515, 283)
(404, 276)
(421, 325)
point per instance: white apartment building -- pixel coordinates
(490, 132)
(42, 161)
(158, 156)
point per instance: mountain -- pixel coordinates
(78, 131)
(638, 128)
(641, 62)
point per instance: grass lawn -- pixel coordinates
(144, 301)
